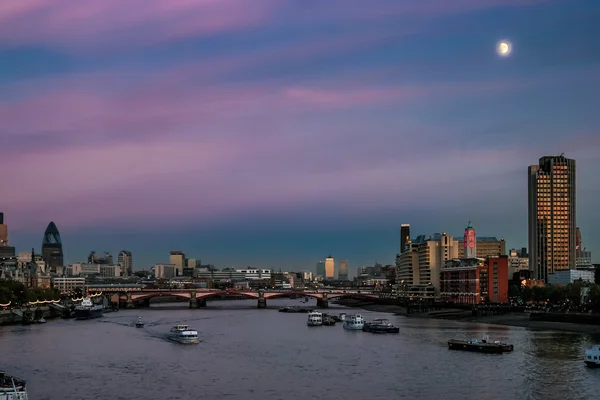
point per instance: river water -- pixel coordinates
(246, 353)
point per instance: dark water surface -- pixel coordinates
(246, 354)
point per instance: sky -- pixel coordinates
(274, 133)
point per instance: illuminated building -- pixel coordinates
(552, 212)
(329, 268)
(469, 242)
(343, 271)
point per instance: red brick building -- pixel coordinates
(475, 280)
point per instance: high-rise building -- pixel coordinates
(404, 236)
(321, 269)
(552, 212)
(3, 232)
(177, 258)
(343, 270)
(125, 260)
(329, 268)
(469, 242)
(52, 249)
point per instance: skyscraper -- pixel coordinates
(329, 268)
(3, 232)
(343, 271)
(321, 269)
(469, 242)
(404, 236)
(552, 212)
(177, 258)
(125, 260)
(52, 250)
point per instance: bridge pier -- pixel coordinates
(322, 303)
(262, 302)
(129, 303)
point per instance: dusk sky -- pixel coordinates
(273, 133)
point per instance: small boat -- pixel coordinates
(481, 346)
(12, 388)
(342, 316)
(41, 321)
(354, 322)
(329, 320)
(315, 318)
(183, 334)
(380, 325)
(139, 323)
(290, 309)
(592, 356)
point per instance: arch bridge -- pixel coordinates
(197, 297)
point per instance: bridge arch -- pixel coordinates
(136, 297)
(288, 294)
(206, 295)
(362, 296)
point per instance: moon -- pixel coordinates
(504, 48)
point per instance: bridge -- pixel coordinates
(136, 296)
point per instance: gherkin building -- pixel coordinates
(52, 250)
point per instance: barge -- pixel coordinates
(480, 346)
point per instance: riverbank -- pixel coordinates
(511, 319)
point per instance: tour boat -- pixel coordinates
(183, 334)
(87, 310)
(139, 323)
(315, 318)
(592, 356)
(481, 346)
(354, 322)
(12, 388)
(380, 325)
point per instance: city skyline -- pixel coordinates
(280, 132)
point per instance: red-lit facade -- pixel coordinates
(475, 280)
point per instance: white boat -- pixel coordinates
(342, 316)
(315, 318)
(12, 388)
(139, 323)
(41, 321)
(354, 322)
(183, 334)
(592, 356)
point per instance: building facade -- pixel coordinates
(177, 258)
(485, 246)
(475, 280)
(552, 216)
(329, 268)
(52, 249)
(343, 271)
(125, 260)
(404, 236)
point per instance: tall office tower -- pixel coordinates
(52, 249)
(3, 232)
(343, 271)
(552, 212)
(177, 258)
(125, 260)
(469, 242)
(329, 268)
(404, 236)
(321, 269)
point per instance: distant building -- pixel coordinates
(552, 213)
(65, 285)
(343, 271)
(106, 259)
(569, 276)
(517, 262)
(475, 280)
(165, 271)
(404, 236)
(421, 263)
(321, 269)
(125, 260)
(329, 268)
(177, 258)
(485, 246)
(469, 242)
(52, 249)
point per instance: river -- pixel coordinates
(246, 353)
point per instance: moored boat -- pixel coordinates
(315, 318)
(183, 334)
(88, 310)
(12, 388)
(480, 346)
(592, 356)
(139, 323)
(380, 325)
(354, 322)
(329, 320)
